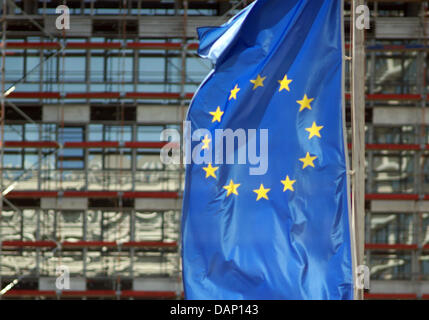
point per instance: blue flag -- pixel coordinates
(266, 205)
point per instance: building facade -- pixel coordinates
(83, 122)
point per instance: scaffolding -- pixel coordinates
(82, 112)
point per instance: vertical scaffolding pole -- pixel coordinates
(418, 237)
(181, 114)
(3, 62)
(358, 139)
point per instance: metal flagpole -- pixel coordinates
(358, 139)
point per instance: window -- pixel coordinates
(393, 171)
(70, 158)
(391, 228)
(395, 266)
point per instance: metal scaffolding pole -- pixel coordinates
(3, 109)
(181, 116)
(358, 139)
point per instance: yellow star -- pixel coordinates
(217, 115)
(314, 130)
(234, 92)
(210, 171)
(261, 192)
(305, 103)
(288, 184)
(231, 188)
(284, 84)
(206, 142)
(308, 160)
(258, 82)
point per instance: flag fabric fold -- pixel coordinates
(269, 218)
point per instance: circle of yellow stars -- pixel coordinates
(307, 161)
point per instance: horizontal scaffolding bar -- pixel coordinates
(169, 195)
(169, 46)
(174, 96)
(397, 196)
(93, 194)
(89, 144)
(14, 244)
(394, 146)
(161, 144)
(397, 246)
(93, 293)
(17, 293)
(159, 244)
(392, 296)
(98, 95)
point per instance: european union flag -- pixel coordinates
(266, 205)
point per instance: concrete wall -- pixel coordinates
(72, 113)
(399, 286)
(156, 284)
(399, 206)
(399, 28)
(79, 26)
(158, 204)
(48, 284)
(64, 203)
(398, 115)
(160, 114)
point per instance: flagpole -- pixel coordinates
(358, 139)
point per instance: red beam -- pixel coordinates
(28, 244)
(167, 46)
(92, 144)
(391, 146)
(189, 95)
(161, 244)
(193, 46)
(155, 244)
(100, 45)
(30, 293)
(384, 97)
(93, 95)
(93, 194)
(31, 144)
(93, 45)
(87, 244)
(386, 146)
(389, 196)
(34, 95)
(152, 95)
(155, 45)
(385, 246)
(33, 45)
(70, 45)
(167, 194)
(31, 194)
(388, 96)
(87, 144)
(148, 145)
(149, 194)
(91, 293)
(98, 95)
(175, 95)
(391, 296)
(160, 144)
(149, 294)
